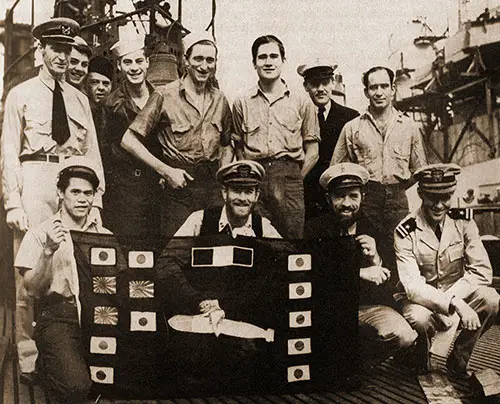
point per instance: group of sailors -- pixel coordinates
(177, 160)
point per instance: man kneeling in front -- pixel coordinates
(46, 261)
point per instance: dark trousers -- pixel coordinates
(282, 197)
(385, 206)
(132, 203)
(201, 193)
(59, 341)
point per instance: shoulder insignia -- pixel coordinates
(460, 213)
(406, 227)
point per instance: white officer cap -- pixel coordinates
(344, 175)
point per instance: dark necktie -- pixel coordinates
(60, 127)
(321, 115)
(438, 232)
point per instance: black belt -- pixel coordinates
(374, 185)
(269, 161)
(56, 298)
(48, 158)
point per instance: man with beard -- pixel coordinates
(78, 66)
(191, 120)
(278, 128)
(383, 331)
(319, 84)
(46, 120)
(131, 202)
(240, 190)
(195, 353)
(444, 269)
(389, 145)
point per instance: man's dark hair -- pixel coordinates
(376, 69)
(262, 40)
(84, 49)
(204, 42)
(77, 172)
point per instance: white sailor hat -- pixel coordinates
(59, 30)
(195, 37)
(126, 46)
(317, 69)
(344, 175)
(80, 167)
(437, 178)
(242, 172)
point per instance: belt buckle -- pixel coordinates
(137, 172)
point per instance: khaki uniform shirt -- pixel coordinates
(27, 131)
(64, 273)
(277, 129)
(186, 136)
(433, 271)
(390, 159)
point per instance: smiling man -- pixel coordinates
(240, 190)
(389, 145)
(278, 128)
(444, 269)
(46, 262)
(131, 205)
(382, 330)
(78, 63)
(191, 120)
(45, 120)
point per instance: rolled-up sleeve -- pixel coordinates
(10, 149)
(341, 151)
(310, 123)
(149, 117)
(415, 286)
(418, 155)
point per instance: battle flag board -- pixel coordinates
(289, 320)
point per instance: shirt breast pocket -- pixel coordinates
(455, 252)
(402, 151)
(38, 123)
(290, 121)
(78, 129)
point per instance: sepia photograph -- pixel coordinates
(260, 201)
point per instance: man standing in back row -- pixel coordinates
(46, 120)
(133, 187)
(279, 129)
(389, 145)
(319, 84)
(192, 121)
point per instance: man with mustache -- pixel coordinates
(240, 182)
(278, 128)
(382, 330)
(47, 264)
(319, 84)
(191, 120)
(131, 205)
(389, 145)
(46, 120)
(240, 190)
(444, 269)
(78, 63)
